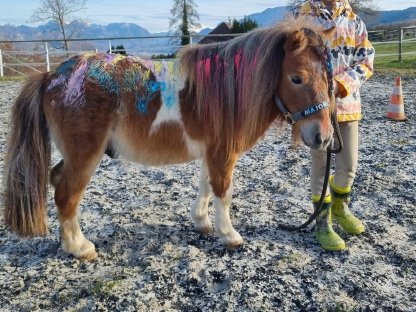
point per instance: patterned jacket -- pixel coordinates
(352, 53)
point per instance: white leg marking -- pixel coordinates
(223, 227)
(74, 242)
(199, 212)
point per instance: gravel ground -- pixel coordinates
(151, 259)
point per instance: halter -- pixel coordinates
(293, 118)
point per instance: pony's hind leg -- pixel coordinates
(199, 212)
(72, 174)
(70, 178)
(220, 171)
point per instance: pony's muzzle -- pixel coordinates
(318, 138)
(321, 140)
(315, 135)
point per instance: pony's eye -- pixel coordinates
(296, 80)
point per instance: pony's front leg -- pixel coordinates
(223, 227)
(199, 212)
(221, 170)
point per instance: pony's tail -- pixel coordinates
(27, 163)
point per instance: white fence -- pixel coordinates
(403, 37)
(42, 55)
(26, 57)
(42, 60)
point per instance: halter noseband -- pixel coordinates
(293, 118)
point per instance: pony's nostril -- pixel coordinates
(318, 138)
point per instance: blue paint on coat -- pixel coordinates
(131, 79)
(151, 87)
(66, 67)
(169, 95)
(104, 78)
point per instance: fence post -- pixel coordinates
(1, 64)
(400, 44)
(109, 47)
(48, 66)
(190, 40)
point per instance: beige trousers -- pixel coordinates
(345, 162)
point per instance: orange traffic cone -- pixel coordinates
(396, 106)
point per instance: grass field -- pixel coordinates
(14, 78)
(391, 63)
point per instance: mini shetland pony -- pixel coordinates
(213, 106)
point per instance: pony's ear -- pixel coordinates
(328, 34)
(296, 41)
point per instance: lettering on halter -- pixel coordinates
(314, 109)
(293, 118)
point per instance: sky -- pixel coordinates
(154, 14)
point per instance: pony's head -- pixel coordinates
(304, 91)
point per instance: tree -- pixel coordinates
(364, 7)
(184, 19)
(61, 12)
(163, 56)
(120, 49)
(361, 7)
(244, 26)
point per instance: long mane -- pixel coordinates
(234, 82)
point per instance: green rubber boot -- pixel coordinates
(341, 212)
(324, 232)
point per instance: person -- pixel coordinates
(352, 57)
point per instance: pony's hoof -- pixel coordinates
(234, 245)
(89, 257)
(204, 230)
(232, 240)
(203, 226)
(84, 251)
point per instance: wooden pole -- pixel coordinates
(400, 44)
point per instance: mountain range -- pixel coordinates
(390, 18)
(160, 43)
(380, 19)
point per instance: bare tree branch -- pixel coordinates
(61, 12)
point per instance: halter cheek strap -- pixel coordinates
(293, 118)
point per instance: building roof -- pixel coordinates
(221, 29)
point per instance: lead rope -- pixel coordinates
(330, 150)
(334, 148)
